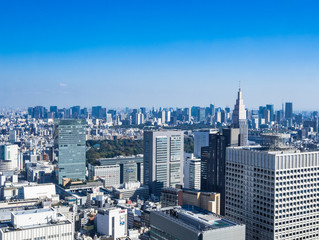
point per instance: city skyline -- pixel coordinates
(169, 54)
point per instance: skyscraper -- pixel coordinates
(70, 139)
(201, 139)
(273, 192)
(239, 119)
(270, 107)
(163, 159)
(288, 110)
(216, 162)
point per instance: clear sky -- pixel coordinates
(159, 53)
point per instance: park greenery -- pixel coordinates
(125, 147)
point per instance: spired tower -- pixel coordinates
(239, 119)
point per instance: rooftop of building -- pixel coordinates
(120, 159)
(33, 211)
(196, 219)
(58, 220)
(171, 190)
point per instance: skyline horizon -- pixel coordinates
(179, 53)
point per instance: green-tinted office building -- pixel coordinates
(70, 140)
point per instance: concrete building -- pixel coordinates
(13, 136)
(40, 172)
(163, 159)
(179, 224)
(132, 191)
(171, 197)
(39, 191)
(273, 191)
(9, 157)
(70, 140)
(209, 201)
(109, 173)
(192, 171)
(37, 224)
(131, 168)
(112, 222)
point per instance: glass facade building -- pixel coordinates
(70, 140)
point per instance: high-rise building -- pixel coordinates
(12, 136)
(70, 140)
(98, 112)
(288, 110)
(216, 163)
(9, 157)
(274, 191)
(201, 139)
(270, 107)
(239, 119)
(76, 111)
(163, 159)
(192, 171)
(205, 155)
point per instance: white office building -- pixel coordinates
(112, 222)
(192, 172)
(37, 224)
(111, 174)
(274, 192)
(163, 159)
(9, 158)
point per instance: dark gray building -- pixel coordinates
(213, 176)
(70, 140)
(163, 159)
(288, 110)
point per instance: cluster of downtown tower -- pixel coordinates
(256, 174)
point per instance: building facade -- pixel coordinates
(37, 224)
(201, 139)
(112, 222)
(163, 159)
(130, 168)
(70, 140)
(9, 158)
(192, 171)
(273, 192)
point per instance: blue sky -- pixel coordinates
(159, 53)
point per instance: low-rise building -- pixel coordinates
(177, 223)
(112, 222)
(37, 224)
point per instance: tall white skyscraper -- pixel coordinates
(273, 192)
(192, 172)
(239, 119)
(163, 159)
